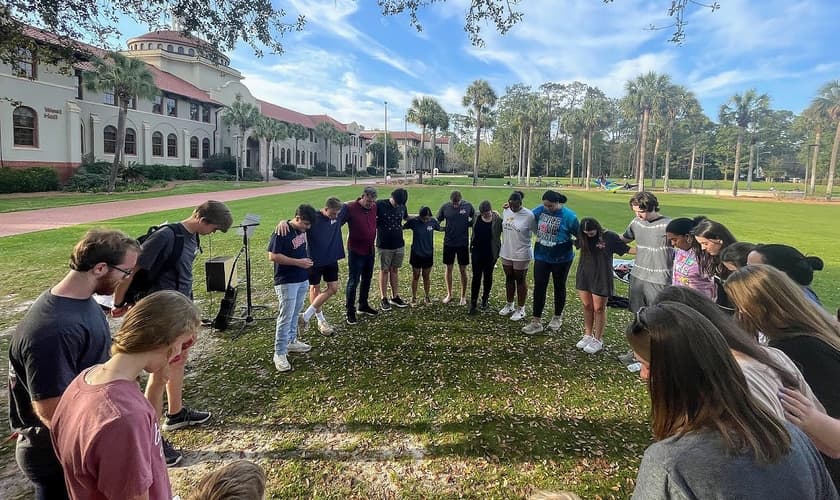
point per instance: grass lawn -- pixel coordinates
(421, 402)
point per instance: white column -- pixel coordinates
(184, 154)
(74, 132)
(96, 145)
(145, 140)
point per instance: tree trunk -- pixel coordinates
(297, 155)
(814, 158)
(477, 144)
(642, 152)
(829, 185)
(667, 162)
(572, 161)
(736, 168)
(521, 154)
(588, 161)
(530, 140)
(120, 145)
(655, 161)
(750, 167)
(691, 166)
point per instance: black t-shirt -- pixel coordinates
(458, 220)
(158, 247)
(595, 266)
(482, 237)
(389, 219)
(57, 339)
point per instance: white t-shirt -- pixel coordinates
(517, 228)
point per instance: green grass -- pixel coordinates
(423, 402)
(60, 199)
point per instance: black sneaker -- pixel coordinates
(171, 455)
(397, 301)
(385, 305)
(351, 317)
(484, 305)
(366, 309)
(184, 418)
(473, 310)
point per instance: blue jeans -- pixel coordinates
(360, 268)
(291, 297)
(40, 465)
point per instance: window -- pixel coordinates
(282, 156)
(191, 52)
(130, 142)
(180, 50)
(80, 85)
(132, 103)
(172, 146)
(288, 155)
(110, 139)
(205, 113)
(205, 148)
(108, 98)
(194, 111)
(160, 46)
(171, 106)
(25, 122)
(194, 148)
(157, 144)
(157, 104)
(142, 45)
(169, 48)
(24, 64)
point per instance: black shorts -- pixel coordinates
(449, 254)
(328, 272)
(419, 262)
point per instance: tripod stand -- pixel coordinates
(247, 316)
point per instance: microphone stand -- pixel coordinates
(247, 317)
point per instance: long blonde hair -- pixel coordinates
(770, 302)
(156, 321)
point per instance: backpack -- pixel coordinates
(145, 281)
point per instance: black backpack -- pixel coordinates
(145, 281)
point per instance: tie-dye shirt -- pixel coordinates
(687, 272)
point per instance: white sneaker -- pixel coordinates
(463, 301)
(325, 328)
(594, 346)
(519, 314)
(446, 299)
(298, 346)
(555, 323)
(584, 341)
(532, 328)
(509, 308)
(281, 363)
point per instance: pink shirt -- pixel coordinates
(687, 272)
(107, 439)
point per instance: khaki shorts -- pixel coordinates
(391, 258)
(517, 265)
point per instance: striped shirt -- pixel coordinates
(654, 254)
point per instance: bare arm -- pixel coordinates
(45, 409)
(282, 228)
(823, 430)
(285, 260)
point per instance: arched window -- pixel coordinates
(160, 46)
(157, 144)
(172, 146)
(282, 156)
(205, 148)
(142, 46)
(25, 121)
(288, 155)
(194, 148)
(180, 49)
(191, 52)
(110, 139)
(130, 142)
(169, 47)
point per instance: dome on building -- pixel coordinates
(176, 42)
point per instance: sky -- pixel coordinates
(349, 59)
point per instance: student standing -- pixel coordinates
(518, 225)
(422, 251)
(484, 249)
(361, 221)
(554, 252)
(687, 270)
(458, 214)
(390, 215)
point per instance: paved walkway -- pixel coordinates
(29, 221)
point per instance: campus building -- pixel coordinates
(408, 143)
(48, 118)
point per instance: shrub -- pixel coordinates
(373, 171)
(167, 172)
(218, 162)
(28, 180)
(436, 181)
(288, 176)
(219, 175)
(251, 174)
(86, 182)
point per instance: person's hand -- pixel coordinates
(305, 263)
(282, 228)
(799, 410)
(118, 312)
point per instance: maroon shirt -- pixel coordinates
(107, 439)
(362, 224)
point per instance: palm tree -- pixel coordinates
(742, 110)
(325, 131)
(421, 112)
(277, 131)
(244, 116)
(812, 119)
(595, 115)
(827, 103)
(679, 104)
(644, 95)
(572, 123)
(130, 80)
(297, 132)
(481, 98)
(440, 120)
(341, 139)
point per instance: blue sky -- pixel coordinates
(350, 59)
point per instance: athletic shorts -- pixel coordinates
(328, 272)
(517, 265)
(419, 262)
(391, 258)
(450, 252)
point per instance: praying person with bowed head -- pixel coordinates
(687, 270)
(713, 238)
(458, 215)
(518, 225)
(736, 255)
(713, 439)
(484, 251)
(422, 251)
(790, 261)
(557, 227)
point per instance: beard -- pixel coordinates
(105, 286)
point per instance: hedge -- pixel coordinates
(28, 180)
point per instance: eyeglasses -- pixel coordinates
(126, 272)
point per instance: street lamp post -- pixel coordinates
(385, 154)
(238, 140)
(405, 145)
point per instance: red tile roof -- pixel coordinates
(285, 114)
(327, 118)
(171, 83)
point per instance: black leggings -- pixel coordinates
(482, 270)
(559, 273)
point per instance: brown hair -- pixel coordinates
(240, 480)
(695, 383)
(156, 320)
(216, 213)
(770, 302)
(333, 203)
(101, 245)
